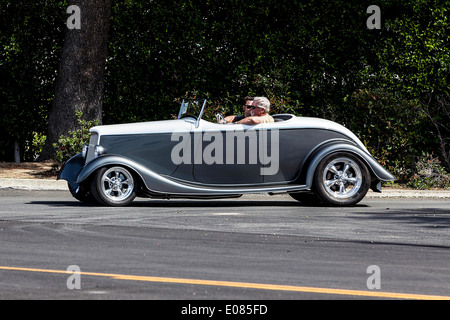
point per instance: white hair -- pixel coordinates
(263, 102)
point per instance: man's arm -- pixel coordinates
(251, 121)
(229, 119)
(234, 118)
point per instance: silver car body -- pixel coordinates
(147, 150)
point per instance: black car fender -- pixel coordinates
(70, 170)
(105, 161)
(151, 181)
(377, 171)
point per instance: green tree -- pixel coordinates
(314, 58)
(79, 86)
(31, 36)
(414, 62)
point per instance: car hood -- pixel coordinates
(161, 126)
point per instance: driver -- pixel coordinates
(247, 103)
(259, 112)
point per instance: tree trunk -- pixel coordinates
(79, 85)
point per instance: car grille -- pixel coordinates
(92, 143)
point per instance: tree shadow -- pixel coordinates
(158, 203)
(433, 218)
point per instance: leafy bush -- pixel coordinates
(34, 147)
(391, 127)
(430, 174)
(69, 146)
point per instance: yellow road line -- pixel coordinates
(247, 285)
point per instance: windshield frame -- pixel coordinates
(192, 105)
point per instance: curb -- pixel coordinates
(33, 184)
(61, 185)
(400, 193)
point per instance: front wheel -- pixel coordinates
(81, 194)
(341, 179)
(114, 186)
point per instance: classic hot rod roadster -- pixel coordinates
(313, 160)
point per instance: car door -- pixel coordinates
(227, 154)
(286, 148)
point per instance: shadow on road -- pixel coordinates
(193, 203)
(434, 218)
(177, 203)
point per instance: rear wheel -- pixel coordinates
(341, 179)
(114, 186)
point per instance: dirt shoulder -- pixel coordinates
(29, 170)
(49, 170)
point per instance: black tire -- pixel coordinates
(341, 179)
(113, 186)
(82, 194)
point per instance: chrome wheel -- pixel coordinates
(342, 178)
(113, 186)
(117, 184)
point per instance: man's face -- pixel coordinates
(254, 110)
(245, 107)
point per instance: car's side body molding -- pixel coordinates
(160, 184)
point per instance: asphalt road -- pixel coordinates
(254, 247)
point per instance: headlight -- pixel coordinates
(84, 151)
(98, 150)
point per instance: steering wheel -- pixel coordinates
(220, 118)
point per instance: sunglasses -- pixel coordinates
(252, 107)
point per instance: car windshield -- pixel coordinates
(192, 108)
